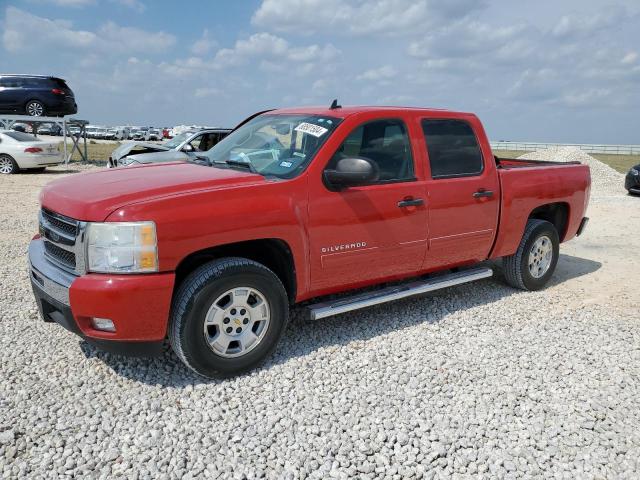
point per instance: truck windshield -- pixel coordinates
(274, 145)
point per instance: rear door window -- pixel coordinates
(452, 147)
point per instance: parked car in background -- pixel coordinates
(73, 131)
(122, 133)
(101, 133)
(49, 129)
(632, 180)
(36, 95)
(92, 131)
(153, 134)
(20, 150)
(167, 133)
(140, 133)
(22, 127)
(186, 146)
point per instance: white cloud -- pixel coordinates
(70, 3)
(134, 39)
(466, 39)
(207, 92)
(385, 72)
(270, 50)
(578, 25)
(204, 44)
(25, 32)
(359, 17)
(629, 58)
(136, 5)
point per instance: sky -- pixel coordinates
(548, 71)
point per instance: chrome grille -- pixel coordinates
(60, 255)
(59, 222)
(62, 242)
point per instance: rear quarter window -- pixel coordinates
(452, 147)
(21, 137)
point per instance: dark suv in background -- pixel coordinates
(36, 95)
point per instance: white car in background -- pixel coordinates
(153, 134)
(23, 151)
(92, 131)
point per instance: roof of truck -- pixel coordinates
(343, 112)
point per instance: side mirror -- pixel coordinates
(187, 148)
(351, 172)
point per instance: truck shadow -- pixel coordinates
(302, 337)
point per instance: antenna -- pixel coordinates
(334, 105)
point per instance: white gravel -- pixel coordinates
(604, 179)
(479, 381)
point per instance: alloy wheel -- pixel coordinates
(236, 322)
(540, 256)
(6, 165)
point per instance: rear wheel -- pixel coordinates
(8, 165)
(227, 317)
(35, 108)
(533, 264)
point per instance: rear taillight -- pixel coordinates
(57, 91)
(32, 150)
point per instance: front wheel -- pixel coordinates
(227, 317)
(533, 264)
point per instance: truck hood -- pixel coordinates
(157, 157)
(132, 148)
(93, 196)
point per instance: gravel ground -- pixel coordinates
(605, 181)
(478, 381)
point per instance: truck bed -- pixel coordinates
(527, 185)
(506, 163)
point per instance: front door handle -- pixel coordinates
(410, 202)
(483, 193)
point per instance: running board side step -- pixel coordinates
(389, 294)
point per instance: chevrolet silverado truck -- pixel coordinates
(293, 206)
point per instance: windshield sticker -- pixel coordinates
(299, 154)
(315, 130)
(286, 164)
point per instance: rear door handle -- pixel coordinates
(410, 202)
(483, 193)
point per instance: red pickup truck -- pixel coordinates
(294, 205)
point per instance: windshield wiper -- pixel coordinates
(241, 163)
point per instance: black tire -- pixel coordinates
(196, 295)
(33, 106)
(516, 266)
(8, 165)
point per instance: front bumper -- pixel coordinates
(138, 305)
(632, 183)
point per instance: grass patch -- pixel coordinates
(96, 152)
(621, 163)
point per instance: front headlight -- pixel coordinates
(122, 247)
(633, 171)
